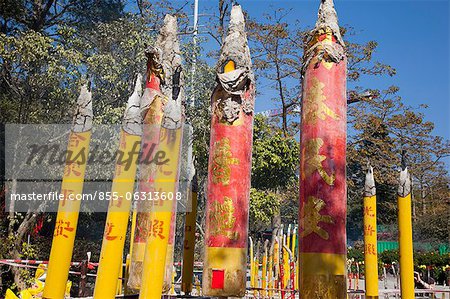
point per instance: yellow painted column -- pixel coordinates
(160, 217)
(276, 264)
(270, 283)
(286, 266)
(164, 83)
(256, 268)
(167, 174)
(295, 256)
(405, 235)
(252, 264)
(169, 271)
(264, 270)
(119, 281)
(68, 209)
(288, 237)
(189, 243)
(133, 230)
(110, 263)
(370, 237)
(127, 290)
(293, 243)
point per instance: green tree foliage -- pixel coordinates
(275, 159)
(263, 206)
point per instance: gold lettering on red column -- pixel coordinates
(312, 161)
(315, 107)
(222, 160)
(310, 217)
(222, 220)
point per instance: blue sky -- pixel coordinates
(413, 37)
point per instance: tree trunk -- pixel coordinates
(276, 226)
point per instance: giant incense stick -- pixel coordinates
(228, 189)
(166, 177)
(152, 105)
(322, 235)
(189, 242)
(370, 236)
(405, 235)
(118, 211)
(68, 209)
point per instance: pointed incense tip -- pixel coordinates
(85, 97)
(138, 85)
(167, 39)
(403, 161)
(237, 20)
(404, 186)
(172, 65)
(266, 245)
(132, 120)
(235, 46)
(327, 17)
(369, 186)
(84, 115)
(170, 24)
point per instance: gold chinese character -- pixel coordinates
(222, 159)
(310, 217)
(314, 104)
(312, 161)
(222, 219)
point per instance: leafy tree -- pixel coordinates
(264, 205)
(275, 159)
(277, 56)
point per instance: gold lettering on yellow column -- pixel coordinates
(222, 220)
(312, 161)
(314, 104)
(310, 217)
(222, 160)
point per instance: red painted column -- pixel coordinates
(322, 164)
(229, 170)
